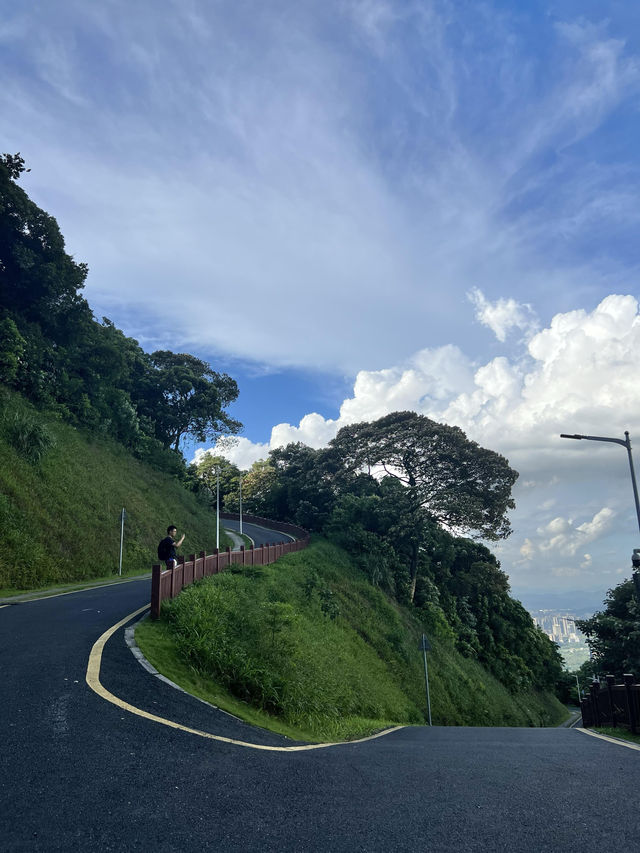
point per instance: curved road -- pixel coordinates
(81, 773)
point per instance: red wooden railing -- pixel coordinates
(168, 583)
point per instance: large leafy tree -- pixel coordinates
(213, 470)
(39, 281)
(258, 487)
(448, 478)
(463, 486)
(613, 633)
(185, 396)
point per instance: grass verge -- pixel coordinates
(621, 734)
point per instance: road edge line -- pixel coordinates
(615, 740)
(93, 680)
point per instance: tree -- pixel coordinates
(38, 279)
(462, 486)
(304, 492)
(12, 348)
(613, 634)
(229, 479)
(258, 488)
(185, 396)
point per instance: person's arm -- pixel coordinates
(180, 541)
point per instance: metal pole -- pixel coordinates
(426, 679)
(633, 477)
(121, 540)
(218, 508)
(626, 443)
(240, 506)
(578, 683)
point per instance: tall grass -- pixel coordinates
(30, 438)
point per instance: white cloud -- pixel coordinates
(578, 373)
(503, 315)
(562, 536)
(240, 451)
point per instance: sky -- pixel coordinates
(361, 206)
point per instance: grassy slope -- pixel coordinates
(260, 647)
(60, 519)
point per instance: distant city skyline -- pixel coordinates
(362, 206)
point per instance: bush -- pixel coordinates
(31, 439)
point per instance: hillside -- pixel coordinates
(310, 648)
(61, 495)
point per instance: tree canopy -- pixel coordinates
(54, 352)
(613, 634)
(193, 398)
(463, 486)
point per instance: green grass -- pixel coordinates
(622, 734)
(263, 642)
(157, 644)
(60, 512)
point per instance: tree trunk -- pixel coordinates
(413, 572)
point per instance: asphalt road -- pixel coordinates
(260, 535)
(78, 772)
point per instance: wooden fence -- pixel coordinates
(613, 705)
(167, 583)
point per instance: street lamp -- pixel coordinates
(241, 505)
(217, 508)
(635, 559)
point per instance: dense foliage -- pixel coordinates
(391, 524)
(613, 634)
(54, 352)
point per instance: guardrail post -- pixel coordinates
(611, 680)
(595, 691)
(585, 709)
(243, 561)
(155, 591)
(631, 708)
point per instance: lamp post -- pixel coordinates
(241, 505)
(635, 559)
(217, 508)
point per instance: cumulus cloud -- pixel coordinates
(579, 373)
(566, 538)
(503, 315)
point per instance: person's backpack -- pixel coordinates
(164, 549)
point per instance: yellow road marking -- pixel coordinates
(93, 680)
(616, 740)
(4, 605)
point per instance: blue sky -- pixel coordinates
(359, 206)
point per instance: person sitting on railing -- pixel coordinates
(167, 547)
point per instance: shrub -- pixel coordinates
(31, 439)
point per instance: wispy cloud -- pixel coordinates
(363, 164)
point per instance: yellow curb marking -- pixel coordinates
(615, 740)
(93, 680)
(4, 605)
